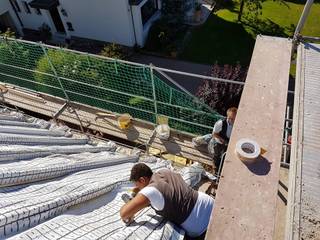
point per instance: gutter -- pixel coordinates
(134, 28)
(15, 11)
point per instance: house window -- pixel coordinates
(16, 6)
(70, 27)
(64, 12)
(148, 9)
(26, 7)
(38, 11)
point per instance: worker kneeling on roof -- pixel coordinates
(219, 138)
(170, 197)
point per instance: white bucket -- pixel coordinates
(163, 131)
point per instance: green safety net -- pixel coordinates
(109, 84)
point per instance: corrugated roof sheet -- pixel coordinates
(307, 179)
(310, 208)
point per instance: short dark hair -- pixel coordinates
(140, 170)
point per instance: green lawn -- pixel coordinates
(227, 41)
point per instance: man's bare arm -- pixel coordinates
(128, 210)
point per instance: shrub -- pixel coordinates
(163, 36)
(158, 36)
(67, 65)
(219, 95)
(113, 51)
(8, 33)
(90, 76)
(10, 50)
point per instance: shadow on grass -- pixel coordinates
(268, 27)
(232, 6)
(219, 41)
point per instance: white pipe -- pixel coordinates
(18, 152)
(39, 140)
(56, 166)
(30, 131)
(19, 124)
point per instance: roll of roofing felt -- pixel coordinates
(247, 149)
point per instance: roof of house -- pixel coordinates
(58, 183)
(305, 185)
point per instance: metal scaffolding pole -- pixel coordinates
(302, 20)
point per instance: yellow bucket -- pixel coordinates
(124, 121)
(162, 120)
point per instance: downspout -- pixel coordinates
(134, 28)
(15, 11)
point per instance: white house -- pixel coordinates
(8, 18)
(125, 22)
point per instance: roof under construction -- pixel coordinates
(91, 91)
(56, 183)
(49, 161)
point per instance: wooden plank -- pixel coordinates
(3, 89)
(179, 144)
(154, 151)
(245, 206)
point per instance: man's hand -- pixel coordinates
(126, 197)
(128, 210)
(128, 221)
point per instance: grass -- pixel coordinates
(224, 40)
(219, 40)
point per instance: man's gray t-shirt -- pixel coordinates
(198, 220)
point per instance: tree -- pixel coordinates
(254, 8)
(18, 58)
(68, 66)
(240, 10)
(82, 75)
(219, 95)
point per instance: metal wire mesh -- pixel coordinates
(109, 84)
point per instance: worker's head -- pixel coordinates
(231, 114)
(140, 175)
